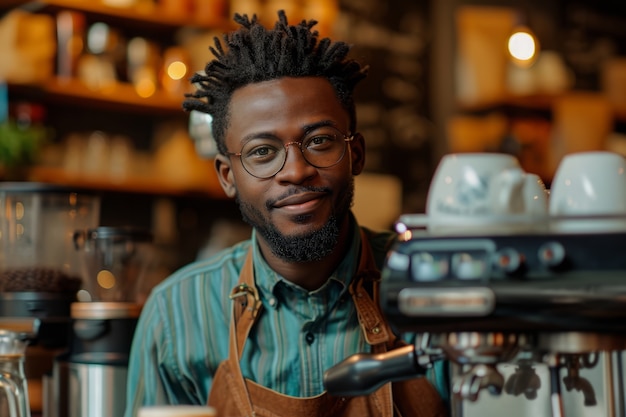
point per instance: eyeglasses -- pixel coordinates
(265, 157)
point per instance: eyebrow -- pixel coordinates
(306, 129)
(317, 125)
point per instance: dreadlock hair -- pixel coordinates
(254, 54)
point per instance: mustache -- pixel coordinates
(296, 190)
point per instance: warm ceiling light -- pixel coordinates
(523, 47)
(176, 70)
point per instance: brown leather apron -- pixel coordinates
(234, 396)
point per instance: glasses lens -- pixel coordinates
(263, 158)
(324, 149)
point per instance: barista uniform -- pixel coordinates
(233, 395)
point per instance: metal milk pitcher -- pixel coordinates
(13, 389)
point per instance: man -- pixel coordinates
(251, 330)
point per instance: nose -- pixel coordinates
(296, 169)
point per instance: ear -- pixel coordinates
(357, 147)
(225, 175)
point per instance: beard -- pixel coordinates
(305, 247)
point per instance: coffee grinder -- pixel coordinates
(91, 377)
(39, 271)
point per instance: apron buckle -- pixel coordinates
(244, 290)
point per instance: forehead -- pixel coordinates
(285, 105)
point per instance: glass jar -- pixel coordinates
(37, 222)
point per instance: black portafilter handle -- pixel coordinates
(364, 373)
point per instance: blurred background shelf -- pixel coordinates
(131, 184)
(143, 14)
(533, 102)
(118, 96)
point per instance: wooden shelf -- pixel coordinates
(531, 102)
(535, 102)
(146, 185)
(119, 97)
(143, 16)
(6, 5)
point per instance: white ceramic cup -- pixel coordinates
(483, 193)
(536, 196)
(588, 193)
(176, 411)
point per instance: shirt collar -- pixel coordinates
(267, 280)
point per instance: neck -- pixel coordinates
(309, 275)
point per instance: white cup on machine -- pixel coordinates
(482, 193)
(588, 193)
(536, 197)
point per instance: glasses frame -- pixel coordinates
(346, 139)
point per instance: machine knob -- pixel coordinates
(552, 255)
(509, 261)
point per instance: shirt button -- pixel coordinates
(310, 338)
(272, 302)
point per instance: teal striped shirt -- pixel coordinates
(182, 334)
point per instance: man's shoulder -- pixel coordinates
(380, 241)
(220, 268)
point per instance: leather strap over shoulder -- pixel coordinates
(374, 327)
(364, 290)
(246, 304)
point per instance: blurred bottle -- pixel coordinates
(99, 68)
(120, 158)
(142, 57)
(97, 154)
(70, 42)
(28, 46)
(74, 145)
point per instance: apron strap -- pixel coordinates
(247, 308)
(364, 290)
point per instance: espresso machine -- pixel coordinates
(90, 378)
(521, 289)
(536, 301)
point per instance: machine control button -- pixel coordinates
(427, 266)
(509, 260)
(469, 266)
(398, 261)
(552, 254)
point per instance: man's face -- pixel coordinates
(300, 212)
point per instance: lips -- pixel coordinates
(299, 200)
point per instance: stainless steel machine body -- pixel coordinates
(96, 367)
(534, 302)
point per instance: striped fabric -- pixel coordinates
(182, 335)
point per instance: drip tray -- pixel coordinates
(580, 342)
